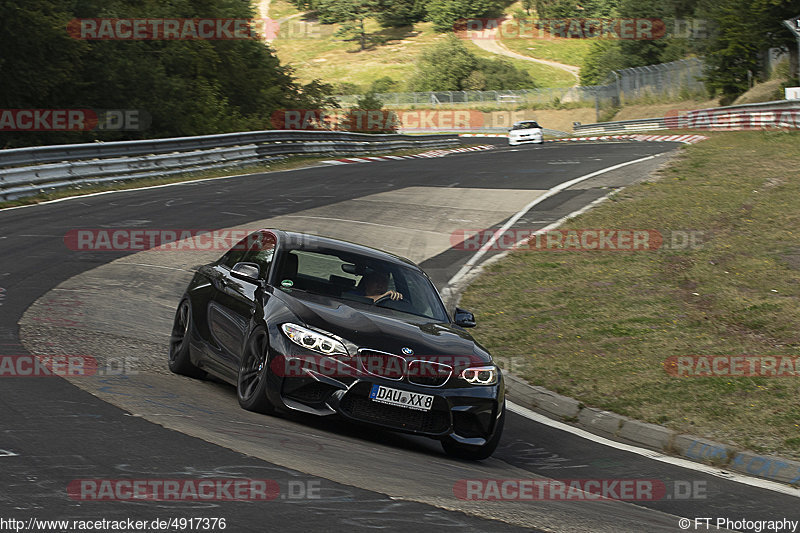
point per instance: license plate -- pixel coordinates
(401, 398)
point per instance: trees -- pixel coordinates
(368, 116)
(351, 15)
(189, 87)
(444, 13)
(527, 5)
(398, 13)
(603, 57)
(742, 33)
(450, 66)
(444, 67)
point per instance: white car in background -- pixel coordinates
(525, 131)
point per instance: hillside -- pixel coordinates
(313, 51)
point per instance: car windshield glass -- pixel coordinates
(359, 280)
(525, 126)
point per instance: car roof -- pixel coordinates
(340, 245)
(524, 121)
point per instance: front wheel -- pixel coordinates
(251, 386)
(182, 329)
(476, 453)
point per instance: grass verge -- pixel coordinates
(598, 326)
(567, 51)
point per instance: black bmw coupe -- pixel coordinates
(304, 323)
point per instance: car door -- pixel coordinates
(236, 300)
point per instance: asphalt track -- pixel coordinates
(154, 425)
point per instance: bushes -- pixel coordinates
(450, 66)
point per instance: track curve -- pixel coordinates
(119, 306)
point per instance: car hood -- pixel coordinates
(376, 331)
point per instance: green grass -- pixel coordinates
(394, 54)
(335, 61)
(278, 9)
(598, 326)
(543, 75)
(567, 51)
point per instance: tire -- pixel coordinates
(251, 384)
(179, 342)
(476, 453)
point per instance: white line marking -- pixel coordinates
(513, 220)
(6, 453)
(657, 456)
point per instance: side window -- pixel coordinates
(258, 248)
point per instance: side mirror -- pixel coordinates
(464, 318)
(246, 272)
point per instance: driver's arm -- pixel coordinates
(394, 295)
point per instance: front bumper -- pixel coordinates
(464, 412)
(537, 138)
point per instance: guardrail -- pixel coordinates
(621, 126)
(503, 130)
(25, 171)
(779, 114)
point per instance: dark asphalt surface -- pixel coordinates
(56, 432)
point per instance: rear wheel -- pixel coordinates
(182, 330)
(476, 453)
(251, 386)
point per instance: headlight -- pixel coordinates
(480, 375)
(312, 340)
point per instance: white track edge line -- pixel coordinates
(651, 454)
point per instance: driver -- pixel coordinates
(375, 285)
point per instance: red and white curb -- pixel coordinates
(423, 155)
(686, 139)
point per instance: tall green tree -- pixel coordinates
(742, 33)
(444, 67)
(351, 16)
(399, 13)
(369, 116)
(445, 13)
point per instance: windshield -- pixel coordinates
(525, 126)
(360, 280)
